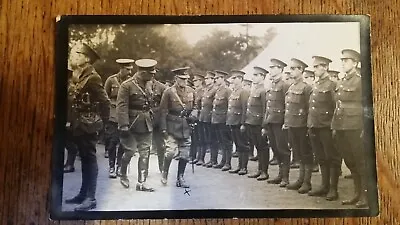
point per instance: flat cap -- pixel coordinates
(278, 63)
(320, 60)
(210, 74)
(124, 61)
(308, 73)
(297, 63)
(259, 69)
(237, 73)
(198, 76)
(147, 64)
(220, 73)
(350, 54)
(181, 72)
(88, 51)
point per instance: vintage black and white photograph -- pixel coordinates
(236, 116)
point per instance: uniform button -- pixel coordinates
(313, 100)
(287, 110)
(341, 86)
(313, 107)
(326, 112)
(270, 95)
(313, 94)
(339, 93)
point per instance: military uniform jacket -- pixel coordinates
(90, 102)
(198, 94)
(157, 89)
(112, 86)
(321, 103)
(296, 101)
(207, 104)
(349, 110)
(275, 111)
(134, 106)
(220, 104)
(171, 108)
(237, 106)
(256, 105)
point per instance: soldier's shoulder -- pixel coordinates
(112, 77)
(127, 81)
(189, 89)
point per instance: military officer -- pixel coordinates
(135, 121)
(176, 120)
(209, 137)
(273, 122)
(156, 89)
(347, 125)
(218, 121)
(254, 118)
(91, 109)
(195, 147)
(111, 86)
(321, 107)
(70, 145)
(296, 111)
(247, 85)
(236, 115)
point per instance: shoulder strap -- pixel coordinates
(79, 86)
(173, 89)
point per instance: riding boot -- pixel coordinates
(165, 169)
(285, 173)
(306, 186)
(258, 173)
(278, 178)
(333, 192)
(124, 167)
(357, 191)
(143, 163)
(180, 182)
(296, 185)
(323, 189)
(245, 161)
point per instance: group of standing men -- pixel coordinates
(184, 122)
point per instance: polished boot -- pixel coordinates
(323, 189)
(245, 161)
(165, 169)
(334, 179)
(306, 186)
(112, 173)
(240, 159)
(86, 205)
(180, 182)
(124, 178)
(263, 160)
(296, 185)
(285, 174)
(357, 191)
(142, 175)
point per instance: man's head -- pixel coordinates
(259, 74)
(321, 65)
(220, 77)
(309, 77)
(125, 67)
(82, 54)
(334, 75)
(209, 79)
(297, 68)
(181, 76)
(276, 67)
(146, 68)
(237, 77)
(198, 80)
(247, 83)
(350, 59)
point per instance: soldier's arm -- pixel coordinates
(123, 106)
(307, 94)
(263, 96)
(244, 97)
(107, 86)
(95, 85)
(164, 109)
(285, 87)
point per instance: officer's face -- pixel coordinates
(274, 71)
(146, 75)
(296, 72)
(78, 59)
(237, 81)
(209, 80)
(320, 70)
(126, 71)
(220, 80)
(197, 82)
(348, 65)
(181, 82)
(308, 79)
(258, 78)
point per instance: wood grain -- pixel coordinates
(27, 95)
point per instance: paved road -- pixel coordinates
(210, 189)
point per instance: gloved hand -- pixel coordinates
(264, 132)
(242, 128)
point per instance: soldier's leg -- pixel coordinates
(214, 145)
(202, 144)
(143, 145)
(159, 145)
(251, 142)
(184, 150)
(333, 163)
(89, 161)
(171, 148)
(316, 136)
(272, 136)
(294, 138)
(72, 151)
(235, 132)
(220, 140)
(194, 146)
(283, 151)
(111, 142)
(275, 154)
(227, 146)
(307, 158)
(129, 145)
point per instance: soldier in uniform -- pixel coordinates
(321, 107)
(347, 126)
(254, 118)
(156, 89)
(135, 121)
(176, 120)
(296, 101)
(334, 75)
(273, 122)
(70, 145)
(209, 137)
(218, 121)
(91, 111)
(195, 148)
(236, 115)
(111, 128)
(247, 85)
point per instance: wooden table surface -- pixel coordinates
(27, 95)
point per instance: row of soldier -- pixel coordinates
(186, 122)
